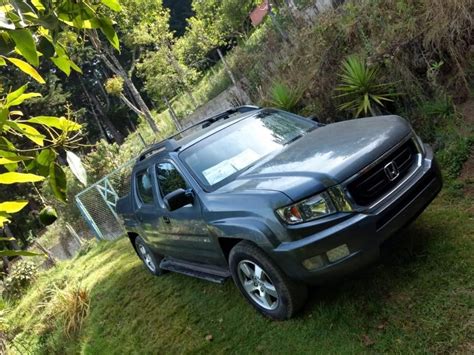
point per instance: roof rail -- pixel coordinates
(170, 143)
(165, 145)
(223, 115)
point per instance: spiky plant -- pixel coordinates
(281, 96)
(361, 89)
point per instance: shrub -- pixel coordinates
(454, 154)
(281, 96)
(440, 108)
(23, 275)
(360, 86)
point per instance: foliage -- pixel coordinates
(114, 85)
(281, 96)
(70, 305)
(439, 108)
(22, 276)
(31, 31)
(455, 152)
(361, 89)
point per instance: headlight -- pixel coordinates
(307, 210)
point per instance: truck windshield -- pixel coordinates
(220, 157)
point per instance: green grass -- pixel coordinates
(418, 299)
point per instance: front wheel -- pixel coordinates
(149, 259)
(263, 284)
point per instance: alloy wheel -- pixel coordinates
(146, 257)
(258, 285)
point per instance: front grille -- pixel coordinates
(375, 182)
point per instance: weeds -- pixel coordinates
(70, 306)
(281, 96)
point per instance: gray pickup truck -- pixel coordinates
(276, 201)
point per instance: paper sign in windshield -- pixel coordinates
(230, 166)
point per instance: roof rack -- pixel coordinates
(170, 143)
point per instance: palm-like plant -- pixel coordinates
(281, 96)
(360, 87)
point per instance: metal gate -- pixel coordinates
(97, 203)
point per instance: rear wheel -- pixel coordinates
(149, 259)
(263, 284)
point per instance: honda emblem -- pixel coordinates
(391, 170)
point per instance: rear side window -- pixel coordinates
(144, 187)
(169, 178)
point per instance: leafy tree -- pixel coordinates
(215, 24)
(30, 31)
(150, 38)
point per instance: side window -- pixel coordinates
(144, 187)
(169, 179)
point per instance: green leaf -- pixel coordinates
(12, 206)
(14, 178)
(63, 63)
(3, 117)
(25, 44)
(75, 67)
(112, 4)
(5, 144)
(109, 32)
(57, 181)
(76, 167)
(6, 239)
(26, 68)
(19, 100)
(61, 123)
(29, 132)
(4, 218)
(39, 6)
(12, 160)
(19, 253)
(15, 94)
(46, 157)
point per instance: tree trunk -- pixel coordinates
(95, 105)
(180, 72)
(173, 115)
(242, 93)
(51, 259)
(111, 61)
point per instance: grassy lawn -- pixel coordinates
(420, 298)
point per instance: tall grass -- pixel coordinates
(71, 307)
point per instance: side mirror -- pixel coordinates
(178, 198)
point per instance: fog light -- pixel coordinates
(314, 263)
(338, 253)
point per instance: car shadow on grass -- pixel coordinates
(402, 257)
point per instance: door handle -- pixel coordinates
(166, 219)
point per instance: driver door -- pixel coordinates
(183, 231)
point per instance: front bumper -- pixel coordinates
(362, 232)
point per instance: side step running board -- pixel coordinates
(205, 272)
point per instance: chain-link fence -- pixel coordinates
(97, 203)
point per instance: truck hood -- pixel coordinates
(323, 157)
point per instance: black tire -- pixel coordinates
(290, 295)
(150, 260)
